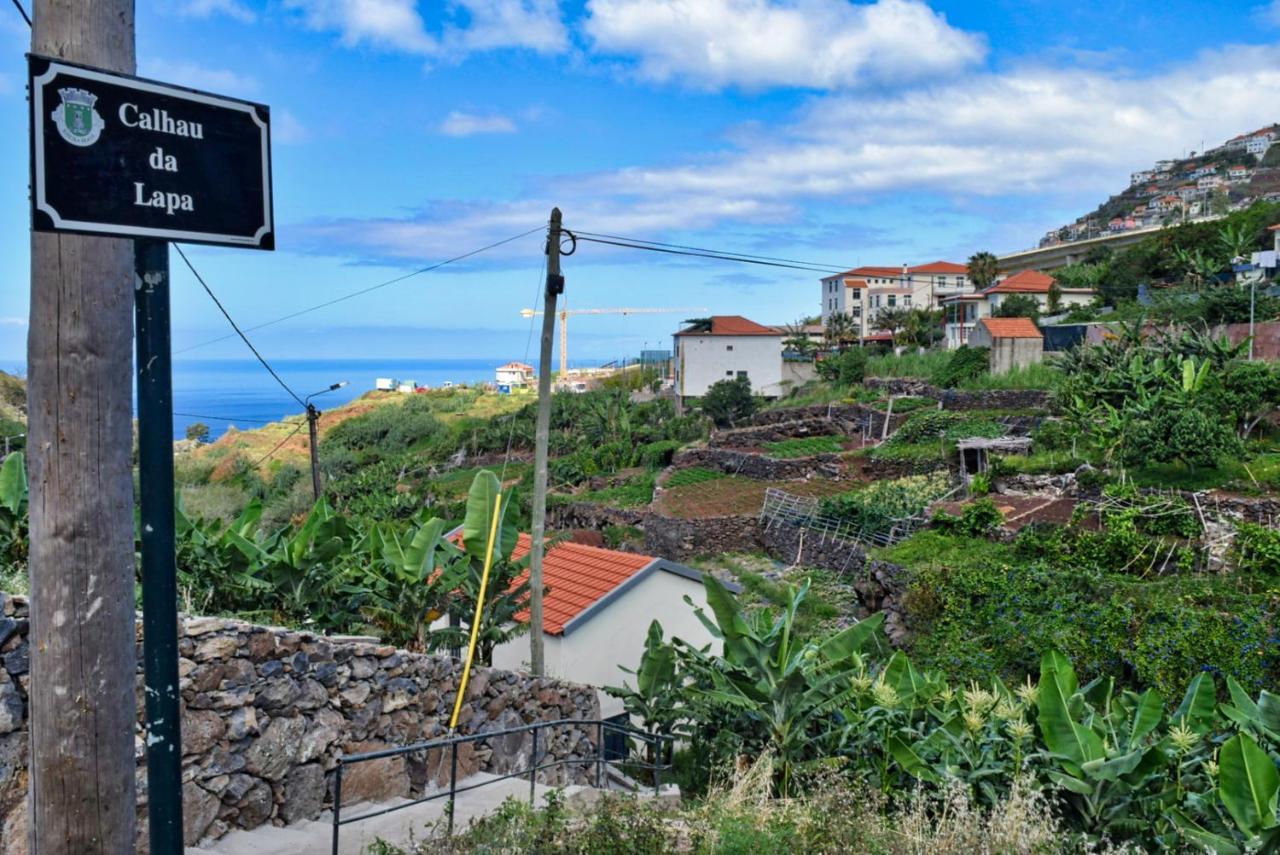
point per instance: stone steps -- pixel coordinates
(399, 827)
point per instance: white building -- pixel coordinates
(1208, 182)
(963, 312)
(864, 292)
(514, 375)
(1141, 177)
(597, 610)
(726, 347)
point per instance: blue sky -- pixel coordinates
(845, 133)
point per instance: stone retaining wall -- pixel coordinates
(758, 466)
(680, 539)
(267, 711)
(585, 515)
(758, 435)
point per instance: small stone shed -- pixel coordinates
(1014, 342)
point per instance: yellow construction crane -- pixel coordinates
(564, 326)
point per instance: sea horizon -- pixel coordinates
(222, 393)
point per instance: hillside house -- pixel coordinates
(1209, 182)
(1187, 192)
(514, 375)
(1141, 176)
(1014, 342)
(1260, 142)
(1239, 174)
(864, 292)
(962, 313)
(725, 347)
(596, 613)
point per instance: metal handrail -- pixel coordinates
(452, 743)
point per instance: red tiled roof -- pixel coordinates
(576, 576)
(1023, 282)
(732, 325)
(939, 267)
(1011, 328)
(878, 336)
(855, 283)
(878, 272)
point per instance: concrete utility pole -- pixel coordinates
(555, 286)
(79, 362)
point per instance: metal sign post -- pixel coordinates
(119, 156)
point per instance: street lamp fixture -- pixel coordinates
(313, 423)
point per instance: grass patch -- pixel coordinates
(694, 475)
(929, 548)
(1039, 375)
(804, 446)
(14, 580)
(632, 493)
(1038, 463)
(921, 365)
(1260, 474)
(816, 392)
(819, 612)
(617, 536)
(930, 450)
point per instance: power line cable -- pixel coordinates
(224, 418)
(712, 254)
(22, 12)
(367, 290)
(279, 445)
(235, 327)
(742, 255)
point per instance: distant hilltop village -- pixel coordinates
(1231, 177)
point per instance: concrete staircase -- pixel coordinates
(399, 827)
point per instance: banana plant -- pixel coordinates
(784, 689)
(421, 570)
(655, 700)
(1101, 746)
(13, 509)
(1242, 817)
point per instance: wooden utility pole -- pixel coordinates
(555, 286)
(79, 389)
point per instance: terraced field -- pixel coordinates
(734, 494)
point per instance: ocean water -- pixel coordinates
(225, 392)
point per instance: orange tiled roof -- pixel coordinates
(732, 325)
(576, 576)
(1011, 327)
(939, 267)
(1023, 282)
(855, 283)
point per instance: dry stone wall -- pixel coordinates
(759, 467)
(267, 711)
(680, 539)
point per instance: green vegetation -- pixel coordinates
(875, 509)
(729, 402)
(804, 446)
(694, 475)
(631, 493)
(1116, 765)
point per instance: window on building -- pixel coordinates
(893, 300)
(906, 299)
(728, 347)
(728, 374)
(742, 375)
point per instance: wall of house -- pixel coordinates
(267, 711)
(592, 651)
(1010, 353)
(707, 359)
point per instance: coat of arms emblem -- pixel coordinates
(78, 122)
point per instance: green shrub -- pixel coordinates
(1256, 549)
(728, 402)
(845, 369)
(874, 509)
(964, 364)
(977, 519)
(657, 455)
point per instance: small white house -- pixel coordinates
(597, 610)
(726, 347)
(514, 375)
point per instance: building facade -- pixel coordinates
(726, 347)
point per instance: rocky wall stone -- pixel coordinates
(267, 712)
(680, 539)
(758, 466)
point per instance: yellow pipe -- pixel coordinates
(475, 623)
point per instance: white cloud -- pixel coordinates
(822, 44)
(208, 8)
(1268, 13)
(1024, 141)
(13, 322)
(184, 73)
(469, 25)
(458, 124)
(287, 128)
(1030, 130)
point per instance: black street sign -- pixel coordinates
(121, 156)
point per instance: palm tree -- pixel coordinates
(841, 331)
(982, 270)
(798, 340)
(1237, 240)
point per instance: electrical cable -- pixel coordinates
(235, 327)
(719, 256)
(22, 12)
(742, 255)
(224, 418)
(279, 445)
(367, 290)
